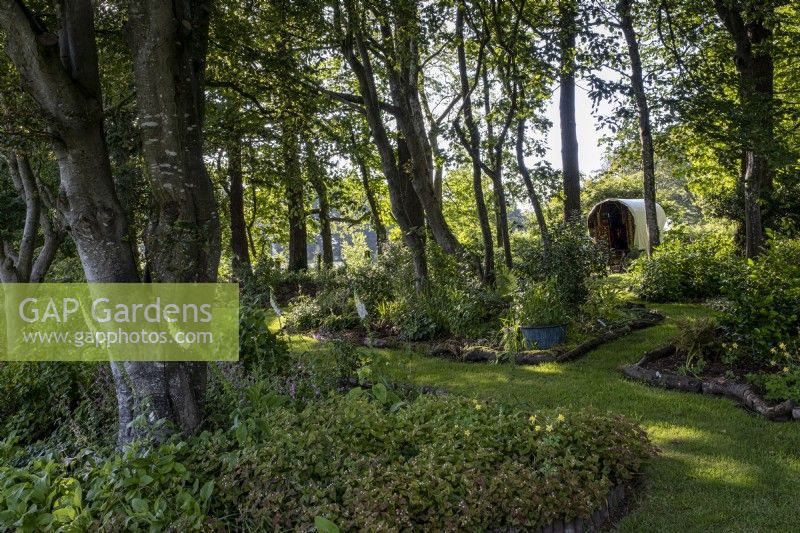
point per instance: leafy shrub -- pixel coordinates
(457, 307)
(603, 306)
(412, 318)
(433, 463)
(541, 305)
(686, 266)
(783, 385)
(572, 260)
(302, 314)
(698, 342)
(762, 321)
(37, 398)
(258, 346)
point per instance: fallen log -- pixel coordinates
(657, 353)
(749, 398)
(478, 354)
(535, 358)
(448, 349)
(666, 380)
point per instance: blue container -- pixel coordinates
(543, 337)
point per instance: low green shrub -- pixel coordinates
(572, 259)
(687, 266)
(258, 346)
(459, 307)
(541, 305)
(762, 320)
(358, 461)
(302, 314)
(37, 398)
(603, 307)
(783, 385)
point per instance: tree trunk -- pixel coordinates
(375, 215)
(437, 154)
(404, 205)
(526, 177)
(61, 75)
(24, 266)
(240, 260)
(317, 179)
(645, 133)
(295, 200)
(182, 242)
(403, 76)
(472, 143)
(755, 66)
(415, 215)
(496, 160)
(569, 137)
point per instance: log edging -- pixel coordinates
(742, 393)
(615, 500)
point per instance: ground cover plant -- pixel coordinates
(287, 452)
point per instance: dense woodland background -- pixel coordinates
(310, 149)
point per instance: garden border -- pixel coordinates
(473, 354)
(744, 394)
(615, 501)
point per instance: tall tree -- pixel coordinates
(21, 264)
(240, 266)
(381, 236)
(748, 26)
(59, 70)
(494, 169)
(182, 242)
(295, 199)
(645, 132)
(568, 30)
(317, 178)
(471, 141)
(396, 44)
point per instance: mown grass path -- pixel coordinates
(720, 468)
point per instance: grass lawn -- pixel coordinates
(720, 468)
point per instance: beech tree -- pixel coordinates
(22, 263)
(471, 140)
(568, 31)
(59, 68)
(645, 132)
(396, 44)
(748, 26)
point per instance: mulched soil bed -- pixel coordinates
(559, 354)
(478, 351)
(660, 367)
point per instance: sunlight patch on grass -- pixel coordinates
(674, 435)
(720, 470)
(546, 368)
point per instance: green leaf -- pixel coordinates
(64, 515)
(325, 525)
(380, 392)
(207, 491)
(139, 506)
(355, 393)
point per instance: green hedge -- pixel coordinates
(688, 266)
(362, 461)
